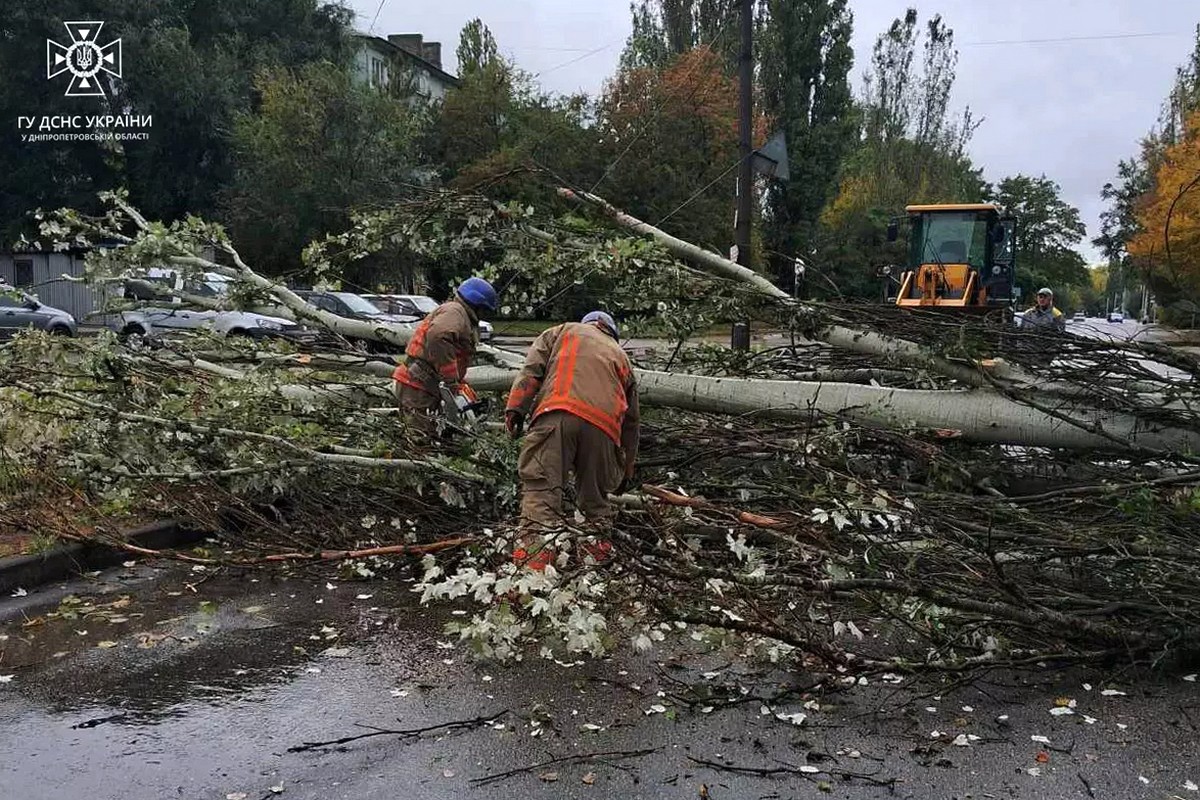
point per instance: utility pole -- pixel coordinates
(745, 184)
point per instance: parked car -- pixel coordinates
(19, 310)
(1079, 317)
(1116, 316)
(165, 315)
(355, 306)
(418, 306)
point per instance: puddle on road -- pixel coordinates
(142, 641)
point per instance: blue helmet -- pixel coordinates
(478, 292)
(604, 319)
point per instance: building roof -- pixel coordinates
(390, 47)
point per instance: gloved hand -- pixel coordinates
(514, 421)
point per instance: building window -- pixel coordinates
(23, 273)
(378, 73)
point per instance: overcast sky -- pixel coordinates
(1069, 109)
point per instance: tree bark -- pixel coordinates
(976, 415)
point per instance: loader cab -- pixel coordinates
(960, 257)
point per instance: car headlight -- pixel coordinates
(269, 325)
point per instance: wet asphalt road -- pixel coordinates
(182, 684)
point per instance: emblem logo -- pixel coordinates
(84, 58)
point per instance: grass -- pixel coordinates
(41, 543)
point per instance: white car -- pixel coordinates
(1116, 316)
(165, 316)
(417, 306)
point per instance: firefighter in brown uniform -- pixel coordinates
(578, 390)
(440, 351)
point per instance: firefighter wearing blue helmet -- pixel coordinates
(440, 351)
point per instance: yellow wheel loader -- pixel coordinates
(961, 258)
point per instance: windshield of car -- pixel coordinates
(422, 303)
(210, 288)
(357, 304)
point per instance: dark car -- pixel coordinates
(19, 311)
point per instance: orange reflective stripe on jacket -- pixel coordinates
(578, 369)
(440, 349)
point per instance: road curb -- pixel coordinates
(69, 560)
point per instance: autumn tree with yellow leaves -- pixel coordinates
(1167, 246)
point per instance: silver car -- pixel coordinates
(21, 311)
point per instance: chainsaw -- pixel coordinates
(462, 408)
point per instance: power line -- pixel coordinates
(1065, 39)
(376, 17)
(577, 59)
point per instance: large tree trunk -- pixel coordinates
(976, 415)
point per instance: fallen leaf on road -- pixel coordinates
(961, 741)
(399, 693)
(1040, 739)
(706, 710)
(127, 565)
(1122, 726)
(19, 592)
(277, 789)
(364, 597)
(1042, 757)
(657, 708)
(7, 678)
(1034, 771)
(330, 586)
(590, 726)
(105, 645)
(1061, 711)
(796, 719)
(549, 777)
(809, 769)
(1113, 693)
(1190, 678)
(1191, 786)
(588, 778)
(236, 796)
(447, 773)
(338, 652)
(1144, 779)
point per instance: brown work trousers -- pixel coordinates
(420, 409)
(557, 444)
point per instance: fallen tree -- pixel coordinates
(776, 509)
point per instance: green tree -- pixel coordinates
(188, 64)
(666, 29)
(805, 58)
(497, 125)
(910, 150)
(1049, 231)
(319, 145)
(476, 48)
